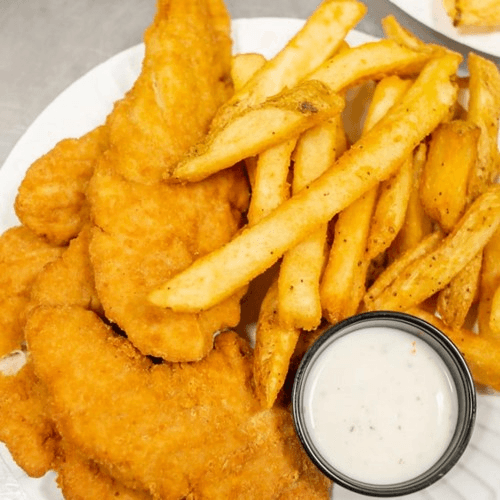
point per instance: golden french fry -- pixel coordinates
(478, 152)
(390, 210)
(481, 13)
(484, 111)
(424, 247)
(302, 265)
(271, 187)
(394, 31)
(351, 66)
(495, 313)
(268, 172)
(372, 159)
(451, 159)
(275, 121)
(251, 167)
(299, 303)
(341, 288)
(490, 281)
(243, 67)
(316, 151)
(428, 275)
(455, 300)
(394, 193)
(320, 37)
(343, 282)
(482, 354)
(387, 93)
(458, 177)
(301, 268)
(274, 347)
(417, 223)
(370, 61)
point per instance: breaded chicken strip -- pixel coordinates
(24, 423)
(12, 314)
(184, 79)
(187, 430)
(180, 78)
(82, 479)
(23, 255)
(146, 230)
(69, 280)
(51, 199)
(146, 233)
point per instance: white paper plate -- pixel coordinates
(83, 106)
(433, 15)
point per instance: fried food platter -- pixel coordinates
(83, 106)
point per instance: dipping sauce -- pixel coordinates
(379, 405)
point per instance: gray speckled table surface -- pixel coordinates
(47, 44)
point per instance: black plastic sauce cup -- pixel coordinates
(460, 374)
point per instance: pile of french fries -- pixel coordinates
(405, 218)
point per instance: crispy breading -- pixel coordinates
(146, 230)
(12, 313)
(23, 255)
(184, 397)
(69, 279)
(174, 429)
(51, 199)
(145, 234)
(82, 479)
(24, 424)
(184, 79)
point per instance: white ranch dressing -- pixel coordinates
(380, 405)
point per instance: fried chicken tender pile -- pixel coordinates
(119, 397)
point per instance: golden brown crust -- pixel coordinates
(23, 255)
(24, 424)
(199, 421)
(184, 79)
(51, 199)
(144, 234)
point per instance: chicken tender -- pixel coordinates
(177, 430)
(24, 424)
(146, 233)
(184, 79)
(146, 230)
(22, 257)
(82, 479)
(12, 314)
(68, 280)
(51, 199)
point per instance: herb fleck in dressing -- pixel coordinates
(380, 405)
